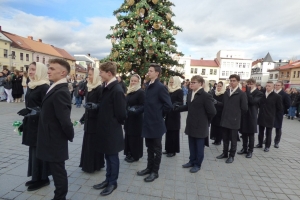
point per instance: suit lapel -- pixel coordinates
(53, 90)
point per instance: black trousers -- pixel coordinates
(154, 150)
(216, 132)
(261, 134)
(248, 137)
(60, 179)
(112, 168)
(230, 135)
(278, 135)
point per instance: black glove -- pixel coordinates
(34, 111)
(24, 112)
(176, 108)
(90, 106)
(215, 101)
(20, 129)
(81, 121)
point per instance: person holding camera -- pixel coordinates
(172, 121)
(91, 160)
(37, 88)
(134, 122)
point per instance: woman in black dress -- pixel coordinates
(37, 89)
(134, 122)
(91, 160)
(172, 121)
(216, 130)
(17, 88)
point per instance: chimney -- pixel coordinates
(40, 40)
(280, 61)
(201, 59)
(30, 37)
(89, 54)
(0, 29)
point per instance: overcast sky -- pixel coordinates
(80, 27)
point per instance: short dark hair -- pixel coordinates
(251, 80)
(156, 67)
(62, 62)
(280, 82)
(198, 78)
(271, 82)
(237, 77)
(109, 67)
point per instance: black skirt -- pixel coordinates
(38, 169)
(216, 133)
(133, 146)
(90, 160)
(172, 141)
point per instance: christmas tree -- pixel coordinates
(144, 34)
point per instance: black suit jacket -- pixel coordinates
(55, 126)
(286, 103)
(268, 108)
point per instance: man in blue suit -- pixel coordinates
(157, 102)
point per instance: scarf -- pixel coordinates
(135, 87)
(176, 84)
(40, 77)
(222, 91)
(96, 80)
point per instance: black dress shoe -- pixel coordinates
(151, 177)
(258, 146)
(28, 183)
(222, 156)
(165, 152)
(127, 157)
(188, 165)
(230, 160)
(171, 154)
(144, 172)
(194, 169)
(276, 145)
(38, 184)
(243, 151)
(130, 160)
(217, 143)
(249, 154)
(102, 185)
(214, 142)
(266, 149)
(108, 190)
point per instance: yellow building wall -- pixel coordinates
(4, 62)
(72, 64)
(19, 64)
(295, 76)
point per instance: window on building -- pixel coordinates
(236, 65)
(37, 59)
(195, 71)
(288, 74)
(294, 76)
(44, 60)
(192, 70)
(215, 72)
(276, 76)
(248, 65)
(232, 64)
(247, 74)
(271, 76)
(223, 73)
(211, 71)
(203, 72)
(21, 56)
(13, 54)
(240, 65)
(244, 65)
(227, 73)
(27, 57)
(298, 74)
(281, 75)
(5, 53)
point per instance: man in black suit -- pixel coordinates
(249, 119)
(286, 103)
(157, 102)
(235, 103)
(111, 116)
(55, 126)
(201, 110)
(270, 104)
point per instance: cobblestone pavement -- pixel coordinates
(272, 175)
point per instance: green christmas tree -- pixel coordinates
(144, 34)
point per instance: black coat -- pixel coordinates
(33, 98)
(134, 122)
(295, 98)
(81, 86)
(286, 103)
(200, 113)
(234, 106)
(157, 104)
(55, 126)
(268, 109)
(90, 116)
(111, 116)
(123, 86)
(249, 119)
(216, 121)
(172, 120)
(17, 88)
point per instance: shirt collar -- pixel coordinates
(111, 80)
